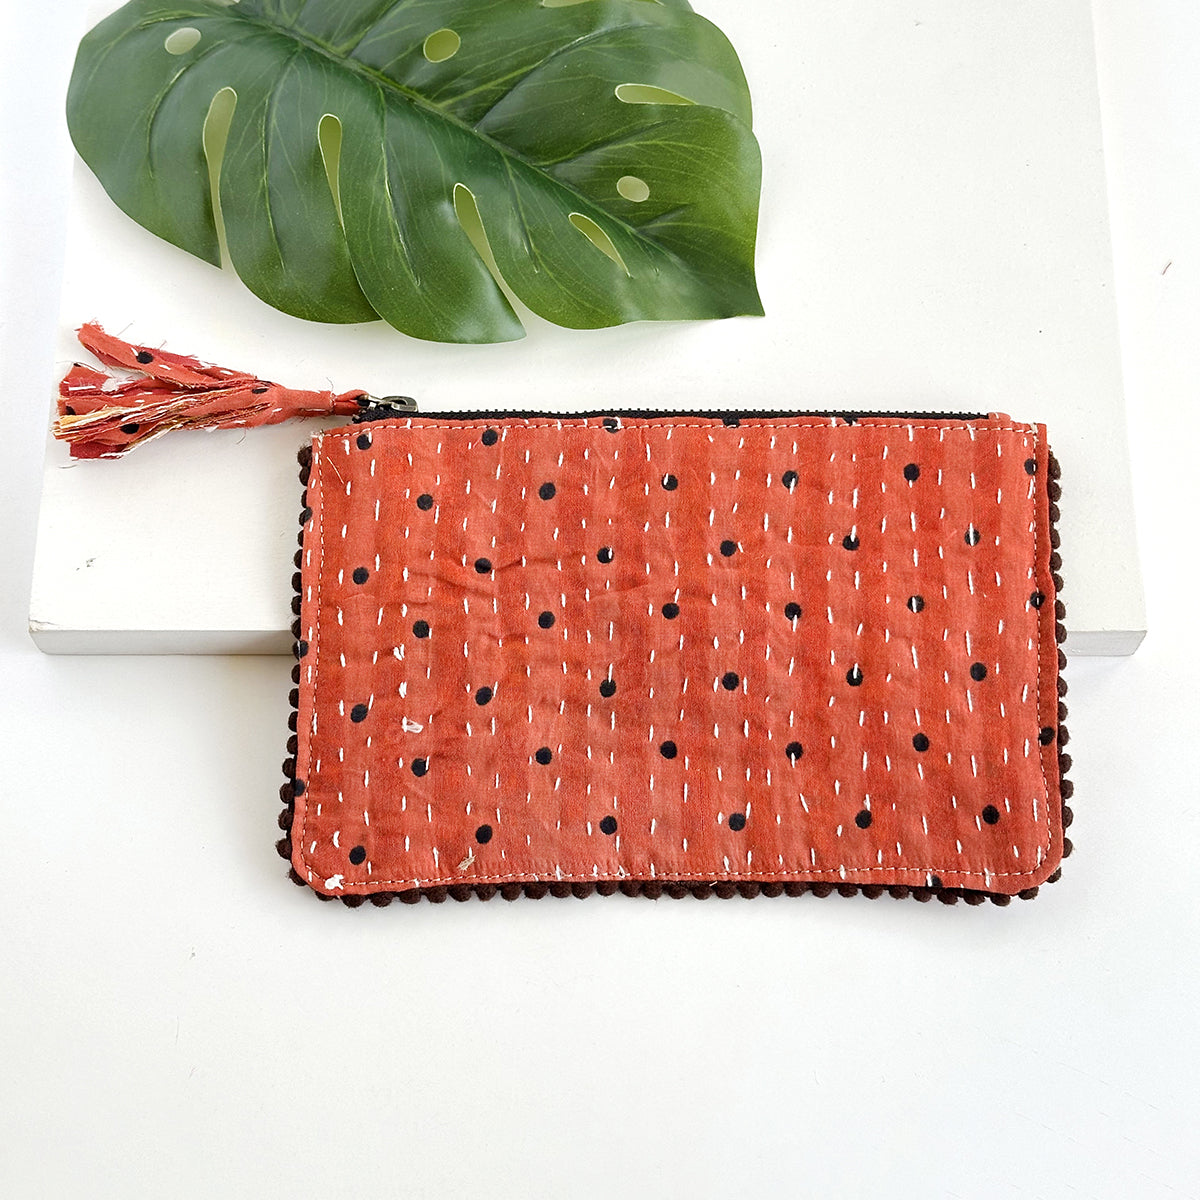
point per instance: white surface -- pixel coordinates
(933, 236)
(178, 1021)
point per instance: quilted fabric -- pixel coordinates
(677, 648)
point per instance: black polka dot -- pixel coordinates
(547, 491)
(483, 834)
(668, 750)
(484, 696)
(608, 825)
(546, 620)
(863, 820)
(854, 676)
(364, 441)
(935, 882)
(605, 554)
(920, 742)
(731, 421)
(261, 391)
(301, 649)
(728, 548)
(1031, 466)
(916, 603)
(794, 751)
(670, 482)
(299, 787)
(68, 410)
(737, 822)
(611, 424)
(421, 629)
(490, 437)
(483, 565)
(131, 428)
(790, 479)
(358, 855)
(361, 574)
(912, 472)
(793, 611)
(972, 536)
(358, 713)
(608, 688)
(990, 815)
(420, 767)
(670, 610)
(978, 672)
(144, 356)
(544, 756)
(424, 501)
(730, 681)
(850, 542)
(1047, 735)
(1037, 599)
(850, 418)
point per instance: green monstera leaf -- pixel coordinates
(411, 159)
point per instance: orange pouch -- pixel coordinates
(669, 653)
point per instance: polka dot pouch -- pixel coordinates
(677, 654)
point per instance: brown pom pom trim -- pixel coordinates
(652, 889)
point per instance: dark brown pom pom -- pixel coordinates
(847, 889)
(581, 890)
(511, 891)
(1028, 894)
(1001, 901)
(283, 848)
(652, 889)
(630, 887)
(354, 901)
(1066, 789)
(304, 456)
(899, 891)
(607, 888)
(974, 898)
(437, 895)
(872, 891)
(285, 820)
(536, 891)
(462, 892)
(560, 889)
(794, 888)
(676, 890)
(382, 899)
(947, 896)
(701, 891)
(748, 890)
(297, 878)
(486, 891)
(725, 890)
(409, 897)
(772, 889)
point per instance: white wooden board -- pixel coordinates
(933, 235)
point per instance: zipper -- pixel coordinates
(382, 408)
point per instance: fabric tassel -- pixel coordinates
(102, 417)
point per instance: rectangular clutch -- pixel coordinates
(677, 654)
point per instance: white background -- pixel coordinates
(176, 1020)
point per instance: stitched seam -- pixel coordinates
(798, 874)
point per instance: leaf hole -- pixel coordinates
(644, 93)
(598, 238)
(180, 41)
(635, 190)
(442, 45)
(329, 138)
(216, 133)
(467, 211)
